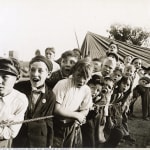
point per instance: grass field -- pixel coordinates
(139, 129)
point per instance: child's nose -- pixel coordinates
(36, 73)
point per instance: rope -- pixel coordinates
(36, 119)
(25, 121)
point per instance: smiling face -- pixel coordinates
(107, 67)
(129, 71)
(6, 83)
(38, 72)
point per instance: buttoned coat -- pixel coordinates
(38, 133)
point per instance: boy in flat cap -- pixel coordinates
(13, 103)
(41, 103)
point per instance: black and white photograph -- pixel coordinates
(74, 74)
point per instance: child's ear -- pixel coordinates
(49, 74)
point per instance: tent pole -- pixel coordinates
(77, 39)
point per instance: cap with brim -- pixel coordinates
(146, 79)
(7, 66)
(43, 59)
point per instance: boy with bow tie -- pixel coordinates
(41, 103)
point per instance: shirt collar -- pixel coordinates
(42, 89)
(7, 99)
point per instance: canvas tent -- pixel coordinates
(95, 45)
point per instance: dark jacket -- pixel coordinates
(38, 133)
(54, 78)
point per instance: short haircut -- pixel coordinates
(108, 79)
(41, 58)
(118, 69)
(69, 53)
(96, 79)
(108, 59)
(114, 54)
(85, 66)
(50, 49)
(114, 44)
(136, 58)
(130, 67)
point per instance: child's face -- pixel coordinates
(137, 63)
(97, 66)
(125, 86)
(129, 72)
(107, 68)
(116, 76)
(107, 87)
(95, 89)
(38, 73)
(128, 60)
(49, 55)
(67, 64)
(113, 48)
(6, 83)
(79, 78)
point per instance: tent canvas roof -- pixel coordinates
(95, 46)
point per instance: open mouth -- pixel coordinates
(67, 70)
(35, 79)
(104, 91)
(79, 84)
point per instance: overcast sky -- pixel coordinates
(27, 25)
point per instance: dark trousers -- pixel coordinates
(114, 138)
(90, 136)
(145, 107)
(67, 135)
(131, 107)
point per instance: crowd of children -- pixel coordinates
(87, 101)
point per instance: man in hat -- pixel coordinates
(13, 103)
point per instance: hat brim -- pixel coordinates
(146, 79)
(7, 72)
